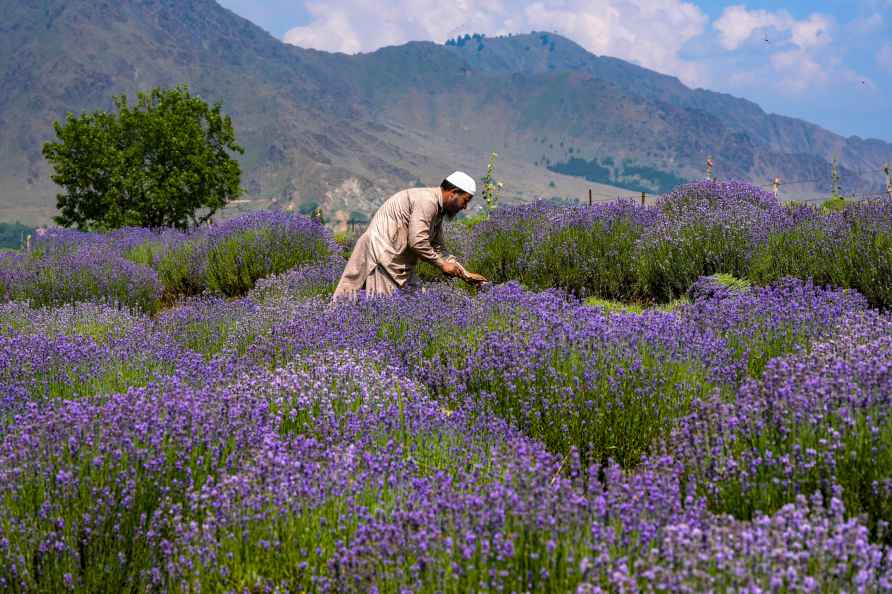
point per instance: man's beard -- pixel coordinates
(450, 215)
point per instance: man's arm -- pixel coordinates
(427, 242)
(437, 243)
(420, 223)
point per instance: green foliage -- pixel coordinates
(834, 204)
(473, 220)
(607, 404)
(589, 170)
(651, 179)
(57, 281)
(358, 218)
(12, 235)
(427, 272)
(180, 272)
(640, 178)
(312, 210)
(860, 466)
(491, 188)
(346, 240)
(308, 208)
(462, 40)
(158, 163)
(147, 253)
(610, 306)
(805, 251)
(730, 281)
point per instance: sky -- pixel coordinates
(828, 62)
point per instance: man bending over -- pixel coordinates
(406, 228)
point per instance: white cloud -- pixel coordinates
(354, 26)
(884, 57)
(814, 32)
(737, 24)
(798, 71)
(648, 32)
(801, 54)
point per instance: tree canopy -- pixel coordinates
(12, 235)
(165, 161)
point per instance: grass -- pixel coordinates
(613, 306)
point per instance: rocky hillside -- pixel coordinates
(346, 131)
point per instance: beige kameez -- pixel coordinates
(407, 227)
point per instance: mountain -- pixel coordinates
(347, 131)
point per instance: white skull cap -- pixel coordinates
(463, 181)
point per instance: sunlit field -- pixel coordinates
(694, 397)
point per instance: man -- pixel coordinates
(406, 228)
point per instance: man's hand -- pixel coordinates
(451, 268)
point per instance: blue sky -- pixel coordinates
(827, 62)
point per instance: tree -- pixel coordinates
(357, 218)
(12, 235)
(491, 188)
(308, 208)
(163, 162)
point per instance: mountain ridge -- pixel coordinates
(346, 131)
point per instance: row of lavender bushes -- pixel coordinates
(628, 252)
(438, 441)
(617, 251)
(144, 268)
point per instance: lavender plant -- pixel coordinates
(444, 441)
(850, 248)
(250, 247)
(814, 421)
(89, 274)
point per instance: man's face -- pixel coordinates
(455, 201)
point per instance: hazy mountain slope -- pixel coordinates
(346, 131)
(301, 114)
(544, 52)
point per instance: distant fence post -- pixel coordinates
(776, 183)
(888, 181)
(643, 198)
(709, 174)
(834, 176)
(589, 196)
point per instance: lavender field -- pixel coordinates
(188, 412)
